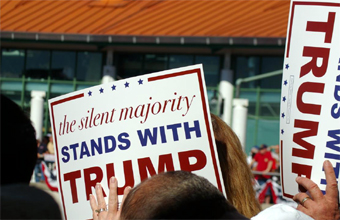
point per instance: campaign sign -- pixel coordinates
(132, 129)
(310, 99)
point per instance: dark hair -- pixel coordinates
(18, 144)
(263, 146)
(176, 195)
(45, 140)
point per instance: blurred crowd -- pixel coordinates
(45, 159)
(264, 161)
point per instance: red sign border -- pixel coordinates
(81, 95)
(295, 3)
(150, 79)
(298, 3)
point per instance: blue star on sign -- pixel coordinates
(285, 82)
(101, 90)
(283, 115)
(284, 98)
(126, 84)
(339, 64)
(90, 93)
(113, 87)
(287, 66)
(282, 131)
(140, 82)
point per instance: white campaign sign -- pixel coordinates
(310, 105)
(132, 129)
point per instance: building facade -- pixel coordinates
(63, 46)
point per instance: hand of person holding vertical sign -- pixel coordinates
(111, 211)
(319, 206)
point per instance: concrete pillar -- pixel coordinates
(226, 91)
(109, 71)
(37, 112)
(109, 74)
(239, 125)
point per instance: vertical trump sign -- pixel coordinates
(132, 129)
(310, 99)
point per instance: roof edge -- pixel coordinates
(141, 39)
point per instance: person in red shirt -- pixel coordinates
(265, 163)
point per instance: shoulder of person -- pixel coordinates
(32, 202)
(269, 154)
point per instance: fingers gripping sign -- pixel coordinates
(111, 211)
(317, 205)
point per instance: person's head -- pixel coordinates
(237, 176)
(177, 195)
(18, 144)
(263, 149)
(45, 140)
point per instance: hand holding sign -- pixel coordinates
(99, 207)
(319, 206)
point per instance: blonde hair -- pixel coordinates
(237, 176)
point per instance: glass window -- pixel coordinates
(211, 67)
(246, 67)
(63, 65)
(180, 61)
(251, 132)
(268, 132)
(37, 63)
(12, 63)
(89, 66)
(53, 94)
(252, 108)
(129, 65)
(269, 104)
(27, 102)
(269, 64)
(155, 62)
(269, 109)
(251, 66)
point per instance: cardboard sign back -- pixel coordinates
(310, 100)
(132, 129)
